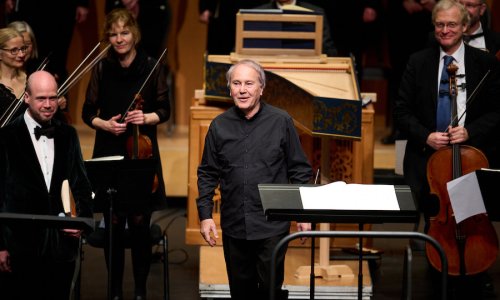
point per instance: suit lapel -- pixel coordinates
(472, 76)
(59, 151)
(433, 72)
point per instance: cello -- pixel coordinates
(471, 246)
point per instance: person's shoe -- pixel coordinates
(140, 297)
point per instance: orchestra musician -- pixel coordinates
(12, 74)
(31, 61)
(416, 108)
(477, 35)
(114, 83)
(37, 153)
(14, 55)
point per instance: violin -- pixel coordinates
(139, 146)
(471, 246)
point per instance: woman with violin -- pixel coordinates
(112, 91)
(12, 74)
(472, 127)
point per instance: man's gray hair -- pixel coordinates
(448, 4)
(252, 64)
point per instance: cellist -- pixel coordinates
(114, 82)
(422, 109)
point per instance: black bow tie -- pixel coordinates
(48, 131)
(468, 38)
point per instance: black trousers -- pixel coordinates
(248, 267)
(138, 238)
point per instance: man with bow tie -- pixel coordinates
(477, 35)
(37, 153)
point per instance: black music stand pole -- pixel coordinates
(312, 276)
(125, 183)
(110, 193)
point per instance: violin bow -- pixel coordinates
(77, 74)
(143, 84)
(14, 105)
(469, 100)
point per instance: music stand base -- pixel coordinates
(330, 273)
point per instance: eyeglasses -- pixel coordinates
(471, 5)
(15, 51)
(451, 25)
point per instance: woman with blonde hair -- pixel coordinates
(31, 61)
(12, 75)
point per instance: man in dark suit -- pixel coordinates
(328, 46)
(416, 106)
(37, 153)
(477, 35)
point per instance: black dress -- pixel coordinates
(111, 90)
(7, 101)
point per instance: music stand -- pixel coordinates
(282, 202)
(122, 185)
(15, 219)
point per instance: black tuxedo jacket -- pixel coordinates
(492, 41)
(416, 107)
(23, 189)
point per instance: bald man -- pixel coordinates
(37, 153)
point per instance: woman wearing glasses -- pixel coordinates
(31, 61)
(12, 74)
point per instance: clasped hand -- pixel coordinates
(114, 126)
(454, 135)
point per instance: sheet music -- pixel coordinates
(465, 197)
(341, 196)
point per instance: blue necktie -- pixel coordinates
(443, 116)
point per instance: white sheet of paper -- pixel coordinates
(465, 197)
(341, 196)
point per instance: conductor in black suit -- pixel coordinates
(37, 153)
(416, 107)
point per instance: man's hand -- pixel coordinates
(73, 232)
(458, 134)
(5, 261)
(438, 140)
(303, 227)
(207, 226)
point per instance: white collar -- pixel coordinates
(457, 55)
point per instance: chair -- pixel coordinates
(158, 238)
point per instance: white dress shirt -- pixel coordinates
(44, 148)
